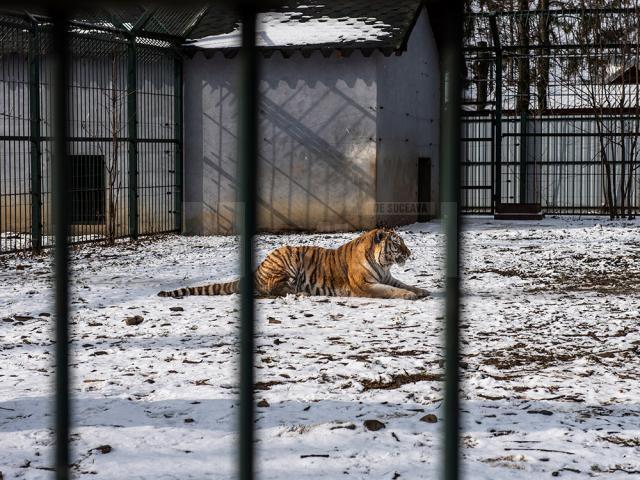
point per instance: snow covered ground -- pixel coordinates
(551, 361)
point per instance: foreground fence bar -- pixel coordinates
(61, 213)
(247, 152)
(452, 61)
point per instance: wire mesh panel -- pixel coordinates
(509, 170)
(107, 70)
(156, 93)
(99, 131)
(477, 164)
(15, 145)
(565, 91)
(477, 152)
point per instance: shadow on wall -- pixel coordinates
(317, 146)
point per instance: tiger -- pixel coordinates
(359, 268)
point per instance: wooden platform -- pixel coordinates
(518, 211)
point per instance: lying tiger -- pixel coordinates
(359, 268)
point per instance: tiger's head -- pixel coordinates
(389, 248)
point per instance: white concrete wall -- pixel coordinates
(317, 143)
(408, 124)
(338, 137)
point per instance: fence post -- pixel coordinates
(247, 183)
(61, 220)
(524, 129)
(35, 138)
(177, 112)
(450, 132)
(132, 125)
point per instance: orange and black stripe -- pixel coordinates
(213, 289)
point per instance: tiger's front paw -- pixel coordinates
(420, 293)
(416, 294)
(407, 295)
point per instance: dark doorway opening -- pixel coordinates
(87, 189)
(424, 189)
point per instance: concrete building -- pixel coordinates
(349, 117)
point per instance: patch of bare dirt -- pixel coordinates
(399, 380)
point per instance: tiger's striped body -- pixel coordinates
(359, 268)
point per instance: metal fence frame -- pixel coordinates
(566, 175)
(551, 154)
(450, 157)
(149, 143)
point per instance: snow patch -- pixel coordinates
(550, 361)
(280, 29)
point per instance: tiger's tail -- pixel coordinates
(226, 288)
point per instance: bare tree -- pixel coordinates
(113, 165)
(542, 69)
(524, 67)
(113, 103)
(608, 83)
(619, 137)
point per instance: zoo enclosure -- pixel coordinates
(248, 142)
(124, 129)
(551, 111)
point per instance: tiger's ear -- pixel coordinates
(379, 236)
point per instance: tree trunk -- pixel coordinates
(543, 60)
(524, 67)
(482, 80)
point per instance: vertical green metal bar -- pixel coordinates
(61, 255)
(132, 125)
(524, 126)
(247, 166)
(35, 138)
(492, 156)
(451, 64)
(177, 112)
